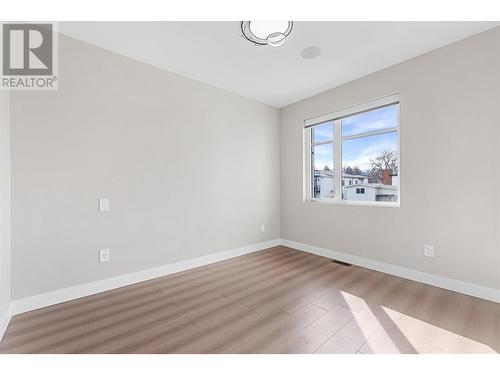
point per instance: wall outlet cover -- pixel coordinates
(429, 251)
(104, 205)
(104, 255)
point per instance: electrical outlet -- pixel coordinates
(429, 251)
(262, 228)
(104, 205)
(103, 255)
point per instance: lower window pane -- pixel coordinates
(370, 168)
(323, 185)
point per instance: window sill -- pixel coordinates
(354, 203)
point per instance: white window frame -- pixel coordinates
(336, 117)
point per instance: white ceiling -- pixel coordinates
(215, 52)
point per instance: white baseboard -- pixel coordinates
(407, 273)
(62, 295)
(5, 320)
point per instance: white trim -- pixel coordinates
(338, 174)
(308, 165)
(5, 320)
(406, 273)
(354, 109)
(62, 295)
(83, 290)
(353, 203)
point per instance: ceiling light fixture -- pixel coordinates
(266, 33)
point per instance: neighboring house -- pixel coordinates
(371, 192)
(387, 191)
(357, 187)
(353, 179)
(323, 184)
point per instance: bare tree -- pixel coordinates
(353, 170)
(386, 160)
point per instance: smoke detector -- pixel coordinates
(310, 52)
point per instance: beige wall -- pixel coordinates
(450, 154)
(5, 274)
(190, 170)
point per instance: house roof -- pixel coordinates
(375, 186)
(353, 175)
(323, 172)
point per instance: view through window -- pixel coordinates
(355, 157)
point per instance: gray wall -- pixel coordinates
(190, 170)
(450, 153)
(5, 278)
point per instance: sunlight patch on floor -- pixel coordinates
(417, 330)
(385, 330)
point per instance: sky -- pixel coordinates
(358, 152)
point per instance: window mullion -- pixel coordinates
(337, 159)
(320, 143)
(308, 188)
(369, 134)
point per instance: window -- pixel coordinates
(322, 160)
(352, 155)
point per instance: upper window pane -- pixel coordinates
(377, 119)
(323, 157)
(323, 132)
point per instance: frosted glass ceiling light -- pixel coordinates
(266, 33)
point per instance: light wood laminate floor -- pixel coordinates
(278, 300)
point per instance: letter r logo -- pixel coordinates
(27, 49)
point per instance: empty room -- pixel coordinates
(250, 187)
